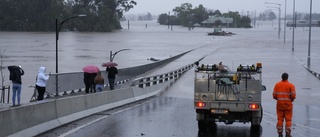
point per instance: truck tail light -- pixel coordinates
(200, 104)
(253, 106)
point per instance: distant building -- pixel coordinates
(216, 21)
(304, 23)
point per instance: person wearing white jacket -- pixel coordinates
(41, 82)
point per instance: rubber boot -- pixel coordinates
(288, 132)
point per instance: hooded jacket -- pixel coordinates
(42, 77)
(15, 74)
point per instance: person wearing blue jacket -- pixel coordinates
(42, 78)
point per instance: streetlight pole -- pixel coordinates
(113, 55)
(293, 22)
(58, 27)
(285, 21)
(279, 8)
(309, 45)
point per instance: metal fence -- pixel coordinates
(3, 94)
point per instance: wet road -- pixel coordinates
(172, 113)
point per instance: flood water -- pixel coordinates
(144, 39)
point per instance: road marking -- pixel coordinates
(316, 108)
(293, 123)
(96, 120)
(82, 126)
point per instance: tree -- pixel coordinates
(148, 16)
(262, 17)
(40, 15)
(235, 16)
(184, 13)
(199, 14)
(271, 16)
(163, 19)
(218, 13)
(245, 22)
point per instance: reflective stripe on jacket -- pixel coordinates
(284, 92)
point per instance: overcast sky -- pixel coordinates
(156, 7)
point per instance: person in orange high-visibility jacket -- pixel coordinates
(284, 92)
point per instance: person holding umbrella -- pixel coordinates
(15, 76)
(112, 71)
(90, 72)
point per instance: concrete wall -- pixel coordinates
(38, 117)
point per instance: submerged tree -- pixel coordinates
(40, 15)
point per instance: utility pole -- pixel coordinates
(293, 23)
(285, 21)
(309, 45)
(279, 8)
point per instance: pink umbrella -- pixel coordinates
(109, 64)
(91, 69)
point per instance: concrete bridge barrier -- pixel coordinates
(38, 117)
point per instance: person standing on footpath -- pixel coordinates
(284, 92)
(88, 79)
(99, 82)
(112, 71)
(15, 76)
(41, 82)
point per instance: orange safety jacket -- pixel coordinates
(284, 92)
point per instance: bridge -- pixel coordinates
(66, 104)
(175, 105)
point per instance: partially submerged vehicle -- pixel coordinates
(229, 96)
(220, 32)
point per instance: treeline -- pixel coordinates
(186, 15)
(40, 15)
(270, 15)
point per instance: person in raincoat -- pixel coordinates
(15, 76)
(41, 81)
(284, 92)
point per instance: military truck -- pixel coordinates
(228, 96)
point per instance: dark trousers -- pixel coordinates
(90, 88)
(111, 83)
(93, 88)
(41, 91)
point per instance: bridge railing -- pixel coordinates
(143, 82)
(68, 83)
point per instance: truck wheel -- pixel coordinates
(257, 121)
(202, 125)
